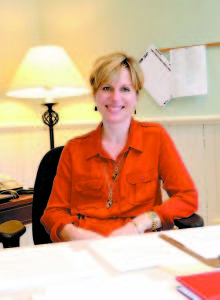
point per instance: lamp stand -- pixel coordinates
(50, 118)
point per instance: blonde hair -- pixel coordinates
(106, 66)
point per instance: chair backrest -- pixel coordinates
(42, 189)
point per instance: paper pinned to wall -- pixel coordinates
(186, 75)
(188, 71)
(157, 74)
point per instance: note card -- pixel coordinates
(40, 265)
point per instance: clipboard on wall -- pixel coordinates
(201, 243)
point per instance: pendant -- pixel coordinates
(109, 203)
(115, 175)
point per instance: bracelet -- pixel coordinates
(135, 224)
(154, 219)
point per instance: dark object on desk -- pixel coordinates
(190, 222)
(26, 191)
(10, 233)
(7, 195)
(42, 189)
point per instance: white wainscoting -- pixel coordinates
(21, 149)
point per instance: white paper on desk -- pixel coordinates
(127, 286)
(128, 253)
(40, 265)
(189, 75)
(204, 241)
(157, 75)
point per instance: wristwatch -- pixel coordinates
(154, 218)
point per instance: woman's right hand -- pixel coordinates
(71, 232)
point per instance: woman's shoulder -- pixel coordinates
(149, 125)
(82, 141)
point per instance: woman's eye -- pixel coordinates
(106, 88)
(126, 89)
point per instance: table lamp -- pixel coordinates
(47, 72)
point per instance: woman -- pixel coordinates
(108, 181)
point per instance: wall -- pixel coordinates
(89, 28)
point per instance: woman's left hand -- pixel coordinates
(137, 225)
(127, 229)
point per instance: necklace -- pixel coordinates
(115, 175)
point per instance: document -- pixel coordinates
(189, 75)
(128, 253)
(157, 74)
(38, 266)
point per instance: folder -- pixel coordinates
(212, 262)
(201, 243)
(200, 286)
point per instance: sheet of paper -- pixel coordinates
(157, 75)
(205, 241)
(129, 286)
(127, 253)
(40, 265)
(189, 75)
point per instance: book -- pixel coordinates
(202, 286)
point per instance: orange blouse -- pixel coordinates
(80, 190)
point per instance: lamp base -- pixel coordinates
(50, 118)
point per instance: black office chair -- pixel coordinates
(42, 189)
(10, 233)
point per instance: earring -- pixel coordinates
(135, 112)
(95, 108)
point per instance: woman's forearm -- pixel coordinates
(71, 232)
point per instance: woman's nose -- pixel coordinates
(116, 95)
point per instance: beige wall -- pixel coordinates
(89, 28)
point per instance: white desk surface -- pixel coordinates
(161, 275)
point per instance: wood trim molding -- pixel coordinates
(215, 44)
(28, 126)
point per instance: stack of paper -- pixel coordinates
(38, 266)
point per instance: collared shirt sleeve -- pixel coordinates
(179, 185)
(58, 213)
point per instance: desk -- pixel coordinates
(17, 209)
(158, 274)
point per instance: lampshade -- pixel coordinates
(47, 72)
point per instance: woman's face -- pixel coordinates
(116, 98)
